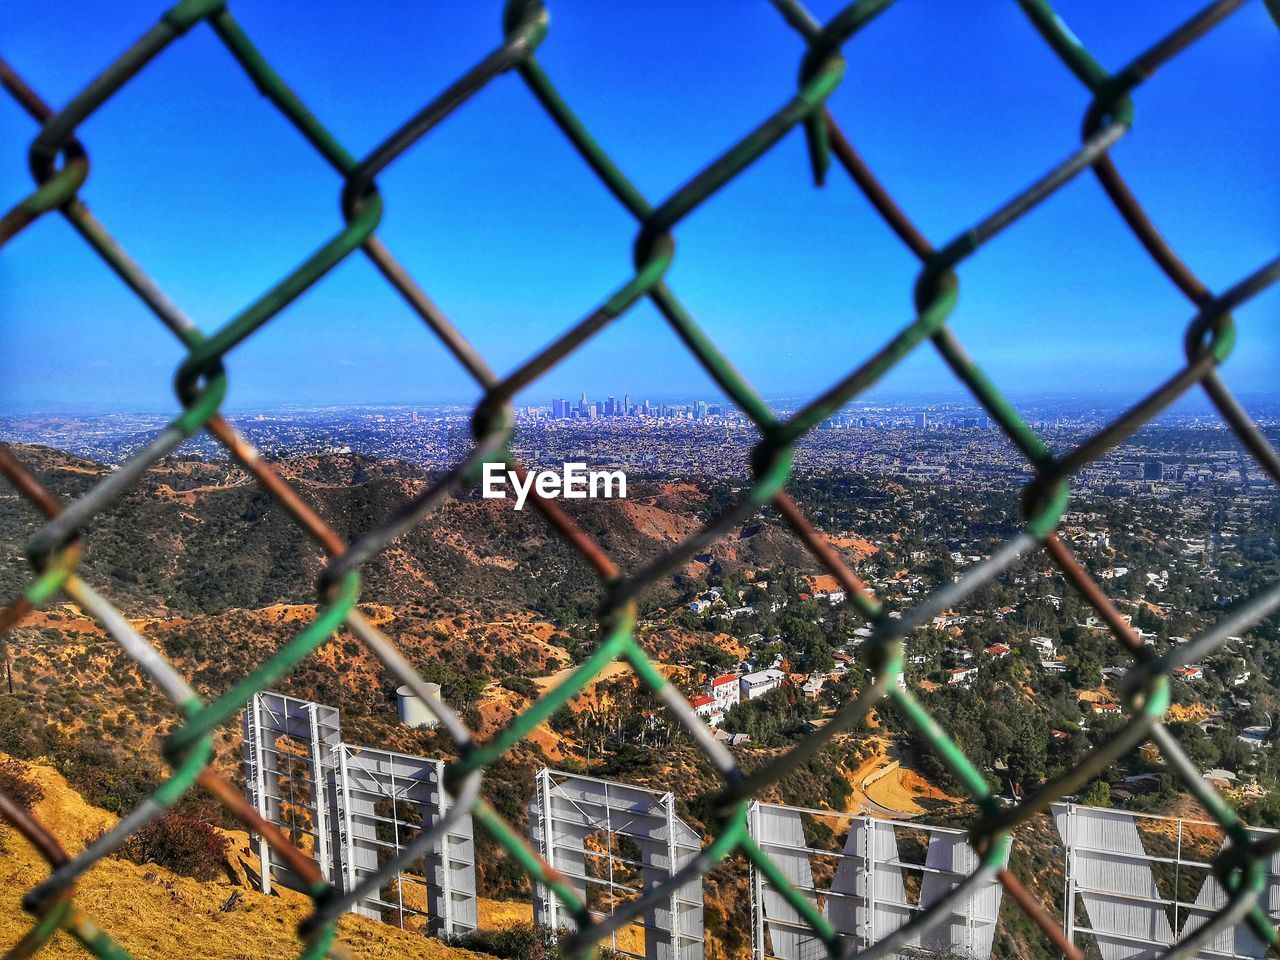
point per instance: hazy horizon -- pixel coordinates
(1191, 404)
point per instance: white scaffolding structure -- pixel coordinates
(613, 843)
(383, 802)
(289, 759)
(1136, 883)
(353, 808)
(868, 877)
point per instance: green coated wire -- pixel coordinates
(201, 384)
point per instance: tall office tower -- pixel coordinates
(1153, 470)
(626, 404)
(921, 421)
(582, 404)
(559, 409)
(700, 410)
(611, 407)
(646, 408)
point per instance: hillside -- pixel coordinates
(210, 569)
(158, 915)
(489, 603)
(196, 537)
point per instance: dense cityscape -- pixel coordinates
(946, 443)
(1176, 526)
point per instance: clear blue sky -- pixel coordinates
(955, 105)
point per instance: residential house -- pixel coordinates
(724, 690)
(1043, 646)
(708, 709)
(761, 682)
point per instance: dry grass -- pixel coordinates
(158, 915)
(900, 789)
(499, 914)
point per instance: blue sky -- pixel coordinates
(956, 106)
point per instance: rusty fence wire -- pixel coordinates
(60, 166)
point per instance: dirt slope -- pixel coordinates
(158, 915)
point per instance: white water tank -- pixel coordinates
(414, 711)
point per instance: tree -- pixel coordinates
(1264, 811)
(1085, 671)
(714, 659)
(1098, 794)
(1028, 751)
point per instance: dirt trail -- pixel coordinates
(617, 668)
(892, 793)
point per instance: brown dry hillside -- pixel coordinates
(209, 569)
(196, 537)
(480, 598)
(158, 915)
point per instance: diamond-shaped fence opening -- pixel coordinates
(60, 164)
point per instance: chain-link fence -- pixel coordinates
(60, 164)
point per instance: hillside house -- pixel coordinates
(708, 708)
(724, 690)
(1043, 646)
(1221, 779)
(759, 683)
(1255, 738)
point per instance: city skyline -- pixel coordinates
(691, 438)
(1263, 403)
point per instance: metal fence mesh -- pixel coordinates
(60, 165)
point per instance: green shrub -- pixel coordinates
(526, 941)
(521, 685)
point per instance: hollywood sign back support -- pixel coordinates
(1132, 884)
